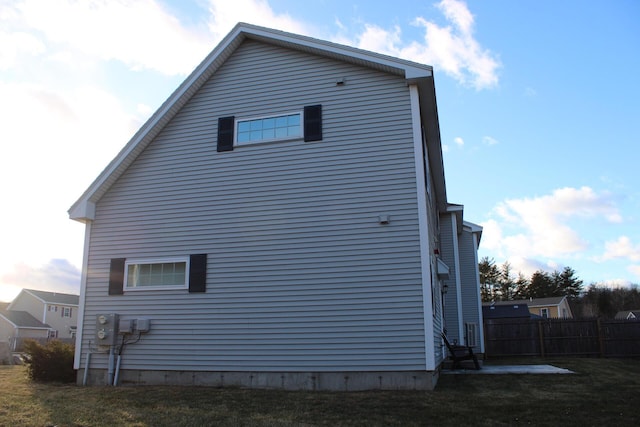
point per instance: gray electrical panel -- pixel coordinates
(107, 329)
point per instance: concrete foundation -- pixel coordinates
(310, 381)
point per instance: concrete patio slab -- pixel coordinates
(511, 369)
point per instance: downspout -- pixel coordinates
(81, 301)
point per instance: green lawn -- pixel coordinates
(603, 392)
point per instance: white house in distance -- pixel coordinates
(276, 223)
(56, 310)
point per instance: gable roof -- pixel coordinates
(50, 297)
(22, 319)
(83, 209)
(505, 311)
(628, 315)
(535, 302)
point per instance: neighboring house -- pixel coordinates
(59, 311)
(275, 224)
(462, 300)
(628, 315)
(547, 308)
(17, 325)
(491, 311)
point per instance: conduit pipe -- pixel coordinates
(117, 374)
(86, 368)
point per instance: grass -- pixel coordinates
(602, 392)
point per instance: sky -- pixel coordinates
(537, 101)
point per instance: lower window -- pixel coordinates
(160, 273)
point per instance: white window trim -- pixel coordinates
(264, 141)
(155, 261)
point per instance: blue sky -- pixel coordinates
(537, 103)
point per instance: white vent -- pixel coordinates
(472, 334)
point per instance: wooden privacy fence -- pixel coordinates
(562, 337)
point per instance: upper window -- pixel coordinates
(148, 274)
(66, 312)
(273, 128)
(544, 312)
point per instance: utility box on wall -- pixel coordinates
(106, 329)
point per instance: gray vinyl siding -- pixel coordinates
(451, 308)
(469, 282)
(300, 275)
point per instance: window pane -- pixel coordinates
(243, 126)
(293, 119)
(268, 133)
(294, 130)
(243, 136)
(269, 123)
(281, 121)
(281, 132)
(256, 124)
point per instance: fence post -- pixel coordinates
(541, 335)
(600, 337)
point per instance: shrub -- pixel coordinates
(50, 362)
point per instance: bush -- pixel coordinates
(50, 362)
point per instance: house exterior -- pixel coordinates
(628, 315)
(547, 308)
(462, 300)
(58, 310)
(18, 325)
(274, 224)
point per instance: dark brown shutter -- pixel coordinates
(225, 133)
(313, 123)
(198, 273)
(116, 276)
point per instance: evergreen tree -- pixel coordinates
(488, 279)
(506, 283)
(569, 284)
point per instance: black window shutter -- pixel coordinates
(198, 273)
(313, 123)
(225, 133)
(116, 276)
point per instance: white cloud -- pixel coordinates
(635, 270)
(225, 14)
(452, 48)
(140, 34)
(541, 227)
(487, 140)
(56, 275)
(621, 248)
(459, 141)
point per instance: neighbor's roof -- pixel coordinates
(628, 314)
(422, 75)
(52, 297)
(22, 319)
(534, 302)
(505, 311)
